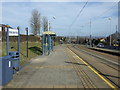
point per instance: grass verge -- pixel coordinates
(34, 49)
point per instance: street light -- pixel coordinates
(90, 35)
(109, 18)
(53, 17)
(110, 30)
(49, 23)
(49, 26)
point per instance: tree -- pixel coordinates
(35, 22)
(45, 24)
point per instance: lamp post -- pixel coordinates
(110, 31)
(27, 40)
(49, 23)
(90, 35)
(49, 26)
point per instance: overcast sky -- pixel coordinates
(19, 14)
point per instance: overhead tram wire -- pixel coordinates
(101, 14)
(105, 12)
(79, 14)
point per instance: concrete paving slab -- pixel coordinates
(54, 71)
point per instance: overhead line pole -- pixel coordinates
(90, 35)
(110, 32)
(116, 32)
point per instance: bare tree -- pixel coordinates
(35, 22)
(45, 24)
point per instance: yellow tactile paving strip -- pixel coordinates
(86, 82)
(93, 70)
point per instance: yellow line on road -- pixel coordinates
(94, 71)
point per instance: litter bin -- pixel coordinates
(6, 70)
(15, 61)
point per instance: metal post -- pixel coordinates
(7, 40)
(18, 40)
(52, 44)
(48, 44)
(110, 32)
(48, 25)
(90, 35)
(43, 43)
(116, 32)
(27, 40)
(19, 46)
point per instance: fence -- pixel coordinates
(31, 38)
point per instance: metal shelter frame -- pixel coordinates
(47, 42)
(14, 54)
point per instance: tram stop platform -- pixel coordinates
(110, 51)
(61, 69)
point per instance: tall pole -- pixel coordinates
(110, 31)
(116, 32)
(19, 46)
(27, 40)
(48, 25)
(7, 40)
(43, 43)
(18, 40)
(90, 35)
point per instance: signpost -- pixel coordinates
(10, 64)
(13, 32)
(16, 54)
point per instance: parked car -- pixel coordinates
(100, 45)
(117, 43)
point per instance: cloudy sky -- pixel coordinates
(19, 14)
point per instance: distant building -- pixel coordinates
(2, 32)
(102, 40)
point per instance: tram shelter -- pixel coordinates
(47, 42)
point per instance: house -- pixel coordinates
(102, 40)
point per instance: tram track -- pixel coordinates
(105, 61)
(85, 79)
(107, 75)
